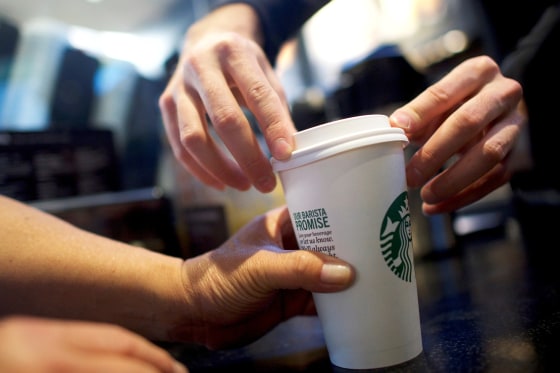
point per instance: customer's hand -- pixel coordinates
(37, 345)
(255, 280)
(222, 69)
(471, 118)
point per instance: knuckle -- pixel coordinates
(468, 119)
(192, 65)
(123, 344)
(274, 124)
(481, 68)
(227, 119)
(258, 91)
(191, 139)
(515, 89)
(495, 150)
(438, 94)
(231, 47)
(227, 44)
(485, 63)
(166, 102)
(509, 93)
(304, 263)
(425, 156)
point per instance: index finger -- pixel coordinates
(454, 88)
(264, 96)
(213, 82)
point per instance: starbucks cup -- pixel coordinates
(345, 188)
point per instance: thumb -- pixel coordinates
(315, 272)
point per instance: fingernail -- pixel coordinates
(266, 184)
(282, 149)
(401, 120)
(335, 274)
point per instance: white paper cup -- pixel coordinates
(345, 188)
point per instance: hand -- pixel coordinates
(42, 345)
(472, 117)
(221, 70)
(251, 283)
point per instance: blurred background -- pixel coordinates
(80, 129)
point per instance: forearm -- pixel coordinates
(50, 268)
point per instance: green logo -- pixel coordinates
(396, 238)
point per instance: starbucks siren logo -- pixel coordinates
(396, 238)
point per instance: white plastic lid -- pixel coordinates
(339, 136)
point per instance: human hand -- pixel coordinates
(222, 69)
(29, 344)
(472, 117)
(257, 279)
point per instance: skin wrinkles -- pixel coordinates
(495, 148)
(260, 92)
(462, 126)
(468, 97)
(497, 177)
(198, 141)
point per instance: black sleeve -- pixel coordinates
(536, 65)
(280, 19)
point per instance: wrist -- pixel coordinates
(163, 299)
(239, 18)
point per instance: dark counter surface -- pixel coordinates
(493, 305)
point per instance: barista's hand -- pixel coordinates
(222, 69)
(29, 344)
(257, 279)
(471, 118)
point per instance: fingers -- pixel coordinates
(475, 117)
(476, 162)
(202, 153)
(171, 125)
(454, 88)
(264, 95)
(310, 271)
(187, 131)
(254, 79)
(466, 125)
(110, 341)
(215, 81)
(37, 344)
(299, 269)
(256, 261)
(257, 281)
(492, 180)
(91, 363)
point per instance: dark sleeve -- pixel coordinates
(536, 65)
(280, 19)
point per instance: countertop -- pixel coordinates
(491, 304)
